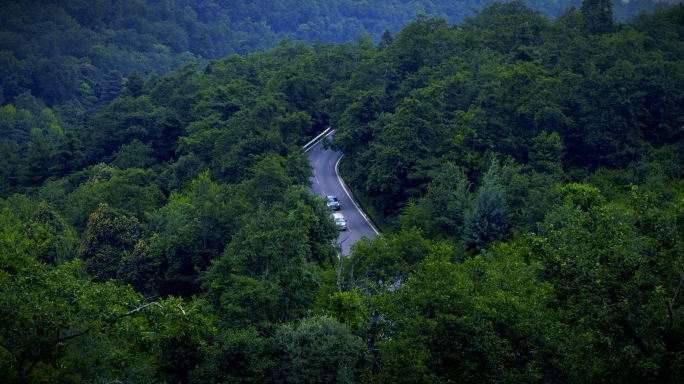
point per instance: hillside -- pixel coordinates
(526, 172)
(74, 54)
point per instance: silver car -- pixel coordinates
(340, 221)
(333, 202)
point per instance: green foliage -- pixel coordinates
(54, 240)
(597, 15)
(134, 85)
(547, 153)
(193, 228)
(130, 192)
(36, 146)
(505, 27)
(107, 240)
(578, 105)
(618, 282)
(349, 308)
(48, 237)
(471, 322)
(383, 262)
(272, 262)
(127, 120)
(316, 350)
(560, 261)
(58, 326)
(62, 51)
(424, 42)
(446, 201)
(236, 356)
(133, 155)
(487, 218)
(530, 194)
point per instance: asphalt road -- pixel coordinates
(326, 181)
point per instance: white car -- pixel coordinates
(340, 221)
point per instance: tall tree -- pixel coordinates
(108, 239)
(134, 85)
(597, 16)
(448, 199)
(316, 350)
(487, 219)
(193, 228)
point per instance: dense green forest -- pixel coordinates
(74, 54)
(527, 172)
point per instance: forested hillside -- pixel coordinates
(74, 54)
(527, 173)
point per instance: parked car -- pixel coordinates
(333, 203)
(340, 221)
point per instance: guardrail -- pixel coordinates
(311, 143)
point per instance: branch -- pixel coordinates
(671, 304)
(679, 286)
(7, 349)
(24, 374)
(140, 308)
(69, 337)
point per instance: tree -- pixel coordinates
(487, 219)
(68, 156)
(386, 39)
(134, 85)
(547, 153)
(385, 261)
(56, 79)
(57, 325)
(293, 127)
(597, 16)
(268, 179)
(617, 282)
(112, 86)
(355, 130)
(506, 28)
(37, 161)
(265, 274)
(130, 192)
(108, 239)
(424, 42)
(118, 123)
(54, 240)
(447, 200)
(133, 155)
(193, 228)
(46, 309)
(316, 350)
(237, 355)
(395, 170)
(475, 321)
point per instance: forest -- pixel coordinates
(74, 54)
(525, 166)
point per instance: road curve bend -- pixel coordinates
(327, 181)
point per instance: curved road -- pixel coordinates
(326, 181)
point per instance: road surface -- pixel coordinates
(326, 181)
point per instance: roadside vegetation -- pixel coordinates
(528, 173)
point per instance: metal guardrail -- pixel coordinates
(311, 143)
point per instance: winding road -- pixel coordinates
(326, 181)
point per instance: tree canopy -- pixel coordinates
(526, 172)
